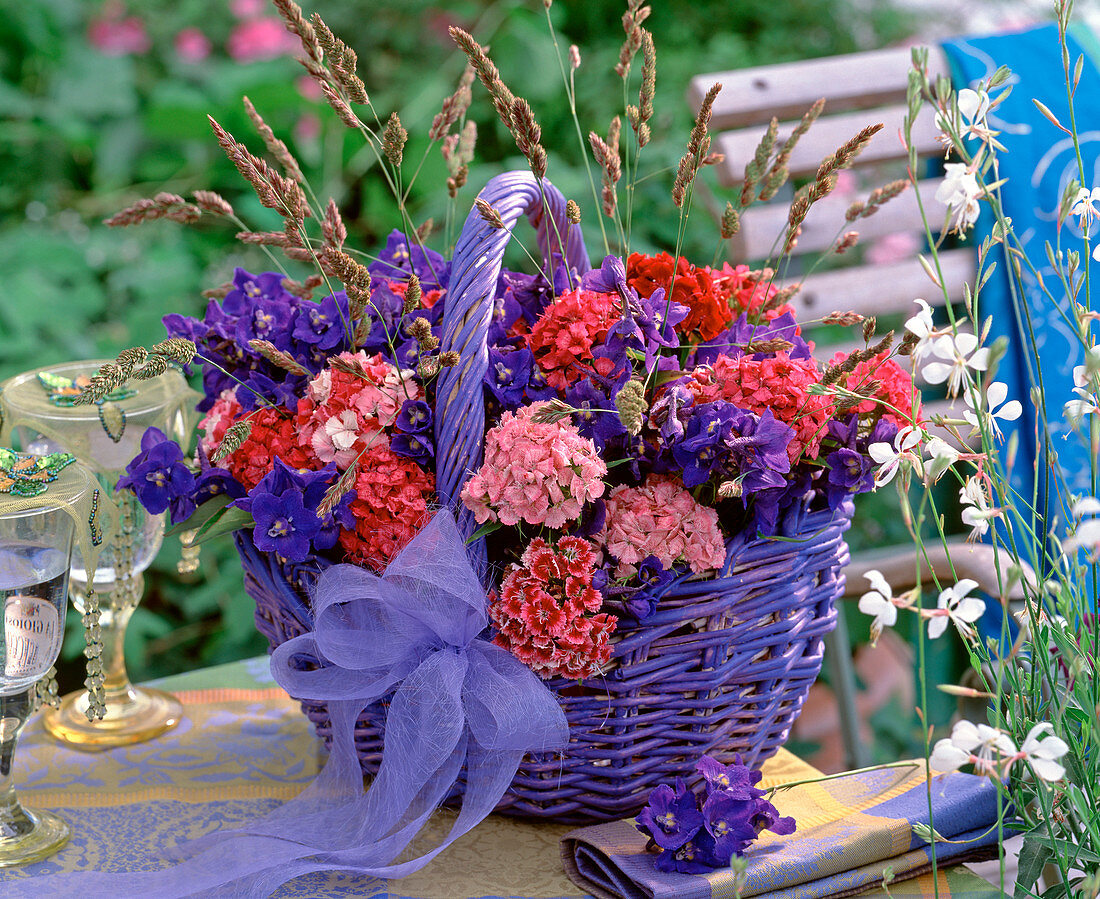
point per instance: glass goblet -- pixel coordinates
(35, 546)
(106, 436)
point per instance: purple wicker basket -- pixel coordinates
(722, 667)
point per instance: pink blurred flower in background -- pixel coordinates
(893, 248)
(247, 9)
(846, 183)
(308, 88)
(307, 128)
(113, 33)
(192, 45)
(256, 39)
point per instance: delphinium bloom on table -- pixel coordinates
(695, 832)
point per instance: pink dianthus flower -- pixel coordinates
(661, 519)
(341, 412)
(540, 473)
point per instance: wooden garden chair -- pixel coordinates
(859, 89)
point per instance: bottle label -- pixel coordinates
(32, 636)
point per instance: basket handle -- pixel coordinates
(460, 399)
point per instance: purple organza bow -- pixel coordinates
(458, 701)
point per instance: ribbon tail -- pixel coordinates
(488, 775)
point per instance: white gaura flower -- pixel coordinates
(889, 457)
(976, 511)
(997, 405)
(977, 744)
(960, 353)
(940, 456)
(959, 191)
(879, 603)
(956, 606)
(1085, 206)
(1043, 754)
(1084, 383)
(920, 325)
(1085, 536)
(973, 107)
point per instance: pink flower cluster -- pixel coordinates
(892, 383)
(661, 519)
(544, 612)
(778, 383)
(563, 337)
(341, 412)
(391, 505)
(540, 473)
(748, 292)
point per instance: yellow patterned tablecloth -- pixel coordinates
(244, 747)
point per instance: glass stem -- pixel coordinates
(124, 599)
(14, 709)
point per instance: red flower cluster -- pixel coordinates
(542, 615)
(391, 505)
(274, 433)
(744, 292)
(709, 309)
(562, 338)
(778, 383)
(895, 387)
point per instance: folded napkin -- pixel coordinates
(850, 831)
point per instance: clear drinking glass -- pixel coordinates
(42, 425)
(35, 548)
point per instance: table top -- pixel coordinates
(243, 748)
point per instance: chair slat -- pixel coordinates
(761, 224)
(881, 289)
(827, 134)
(787, 90)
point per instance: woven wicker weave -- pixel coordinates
(722, 667)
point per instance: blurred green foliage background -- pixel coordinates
(102, 104)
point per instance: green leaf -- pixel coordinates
(486, 528)
(224, 522)
(201, 515)
(1034, 854)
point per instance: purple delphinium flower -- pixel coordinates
(413, 432)
(700, 833)
(324, 324)
(159, 477)
(653, 580)
(283, 524)
(213, 482)
(728, 820)
(596, 417)
(849, 472)
(671, 817)
(401, 258)
(758, 451)
(703, 447)
(736, 779)
(732, 342)
(284, 504)
(509, 375)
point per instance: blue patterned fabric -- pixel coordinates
(1040, 161)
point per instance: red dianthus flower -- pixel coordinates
(709, 310)
(542, 614)
(392, 494)
(777, 382)
(274, 433)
